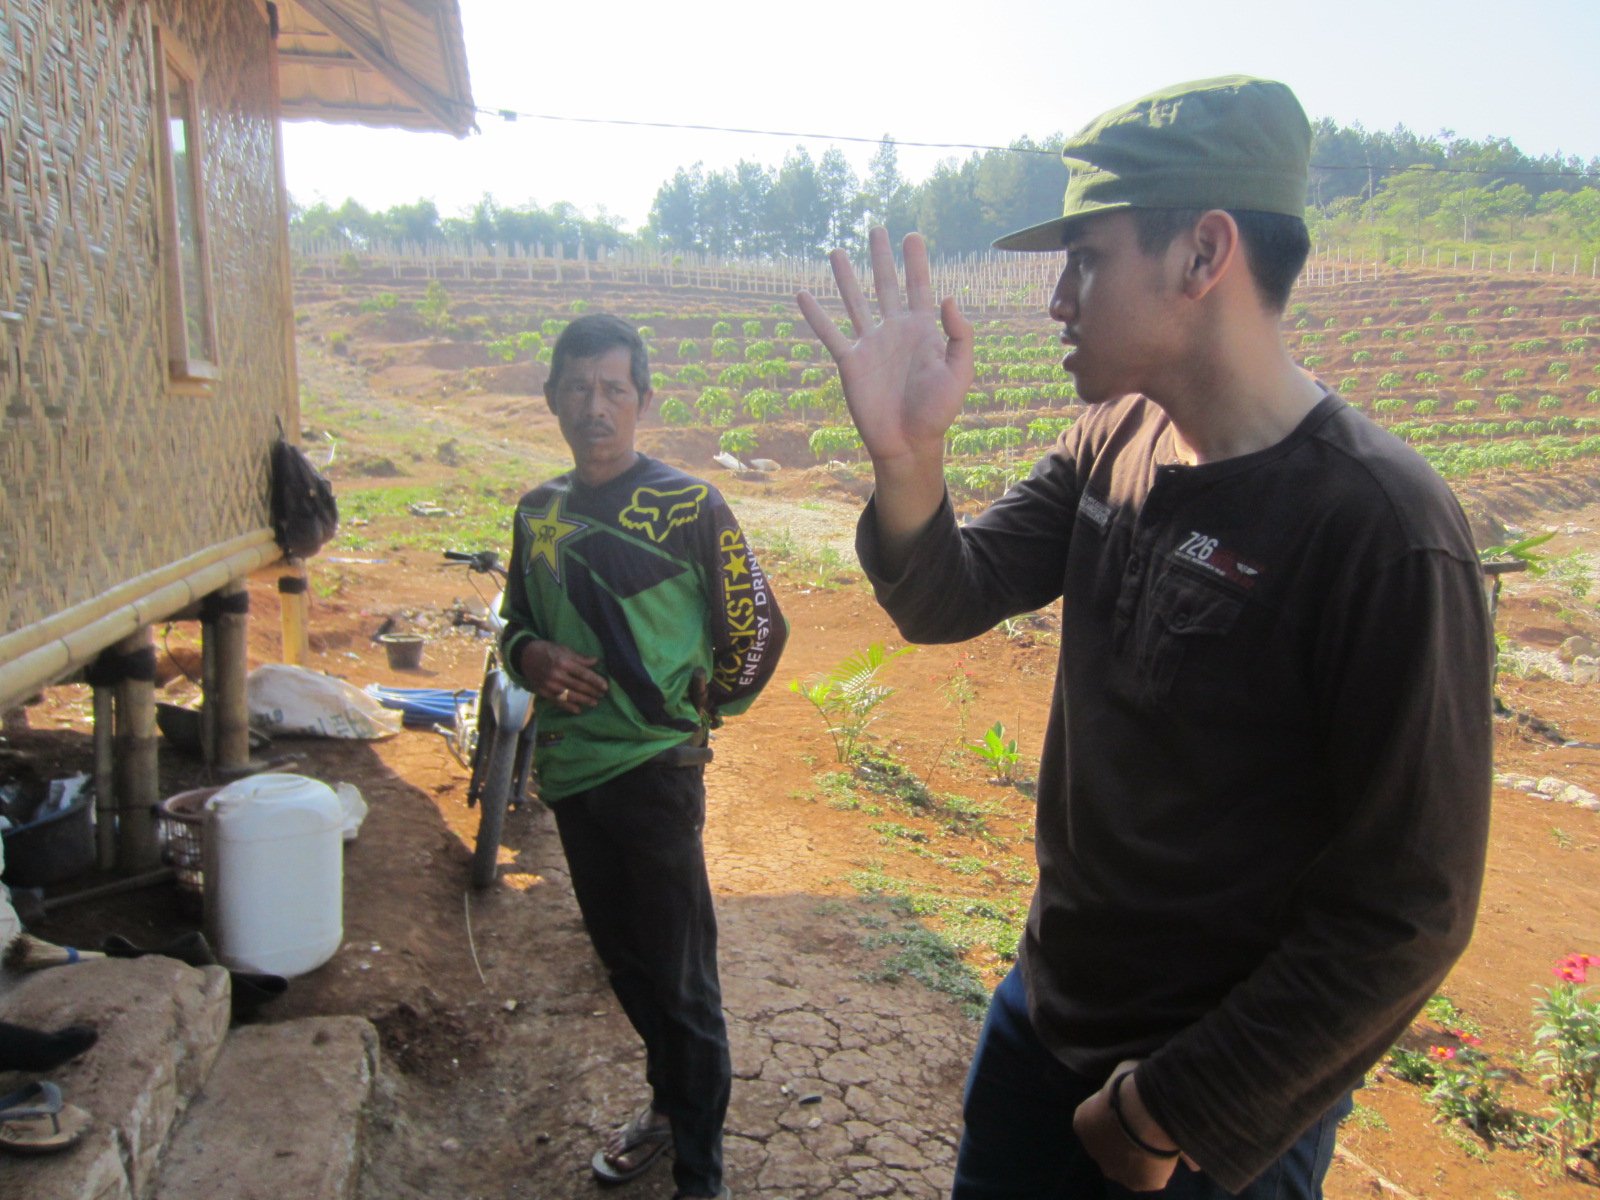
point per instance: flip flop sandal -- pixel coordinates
(35, 1120)
(636, 1135)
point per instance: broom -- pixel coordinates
(28, 953)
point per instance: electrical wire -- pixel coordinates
(511, 115)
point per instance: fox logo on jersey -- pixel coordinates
(656, 514)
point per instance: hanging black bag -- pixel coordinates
(304, 513)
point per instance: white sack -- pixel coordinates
(292, 701)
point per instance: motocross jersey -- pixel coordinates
(650, 574)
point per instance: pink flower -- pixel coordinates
(1442, 1053)
(1466, 1038)
(1574, 968)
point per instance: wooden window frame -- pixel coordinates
(187, 364)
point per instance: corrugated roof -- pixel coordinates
(396, 63)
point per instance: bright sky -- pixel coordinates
(937, 71)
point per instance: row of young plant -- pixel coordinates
(1455, 459)
(1433, 319)
(1427, 406)
(1432, 431)
(1465, 1083)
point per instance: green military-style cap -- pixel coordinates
(1235, 142)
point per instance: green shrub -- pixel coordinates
(676, 412)
(739, 441)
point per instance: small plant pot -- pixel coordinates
(404, 650)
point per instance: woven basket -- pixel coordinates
(182, 823)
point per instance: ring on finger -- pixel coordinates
(563, 694)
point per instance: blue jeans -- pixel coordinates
(1018, 1143)
(639, 873)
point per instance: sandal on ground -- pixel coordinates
(637, 1135)
(35, 1120)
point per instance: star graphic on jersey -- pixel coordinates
(735, 564)
(546, 531)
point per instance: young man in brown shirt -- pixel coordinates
(1263, 798)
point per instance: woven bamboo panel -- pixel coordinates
(105, 473)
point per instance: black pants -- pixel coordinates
(1019, 1144)
(639, 872)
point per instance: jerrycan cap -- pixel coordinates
(275, 790)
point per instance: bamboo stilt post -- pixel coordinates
(226, 621)
(105, 787)
(292, 605)
(136, 770)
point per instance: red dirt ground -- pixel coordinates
(500, 1075)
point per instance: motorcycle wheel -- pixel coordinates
(493, 796)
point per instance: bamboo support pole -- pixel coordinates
(136, 776)
(105, 785)
(293, 603)
(225, 690)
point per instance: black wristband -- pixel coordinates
(1127, 1129)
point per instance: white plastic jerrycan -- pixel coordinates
(273, 856)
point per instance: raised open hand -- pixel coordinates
(904, 379)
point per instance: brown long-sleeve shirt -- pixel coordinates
(1263, 797)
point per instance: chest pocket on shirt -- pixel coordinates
(1185, 628)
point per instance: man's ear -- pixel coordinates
(1212, 251)
(648, 395)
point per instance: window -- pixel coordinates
(186, 262)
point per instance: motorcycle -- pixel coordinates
(493, 735)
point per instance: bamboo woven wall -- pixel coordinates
(105, 473)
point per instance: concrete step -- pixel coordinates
(182, 1108)
(161, 1026)
(280, 1116)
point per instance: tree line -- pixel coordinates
(1382, 189)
